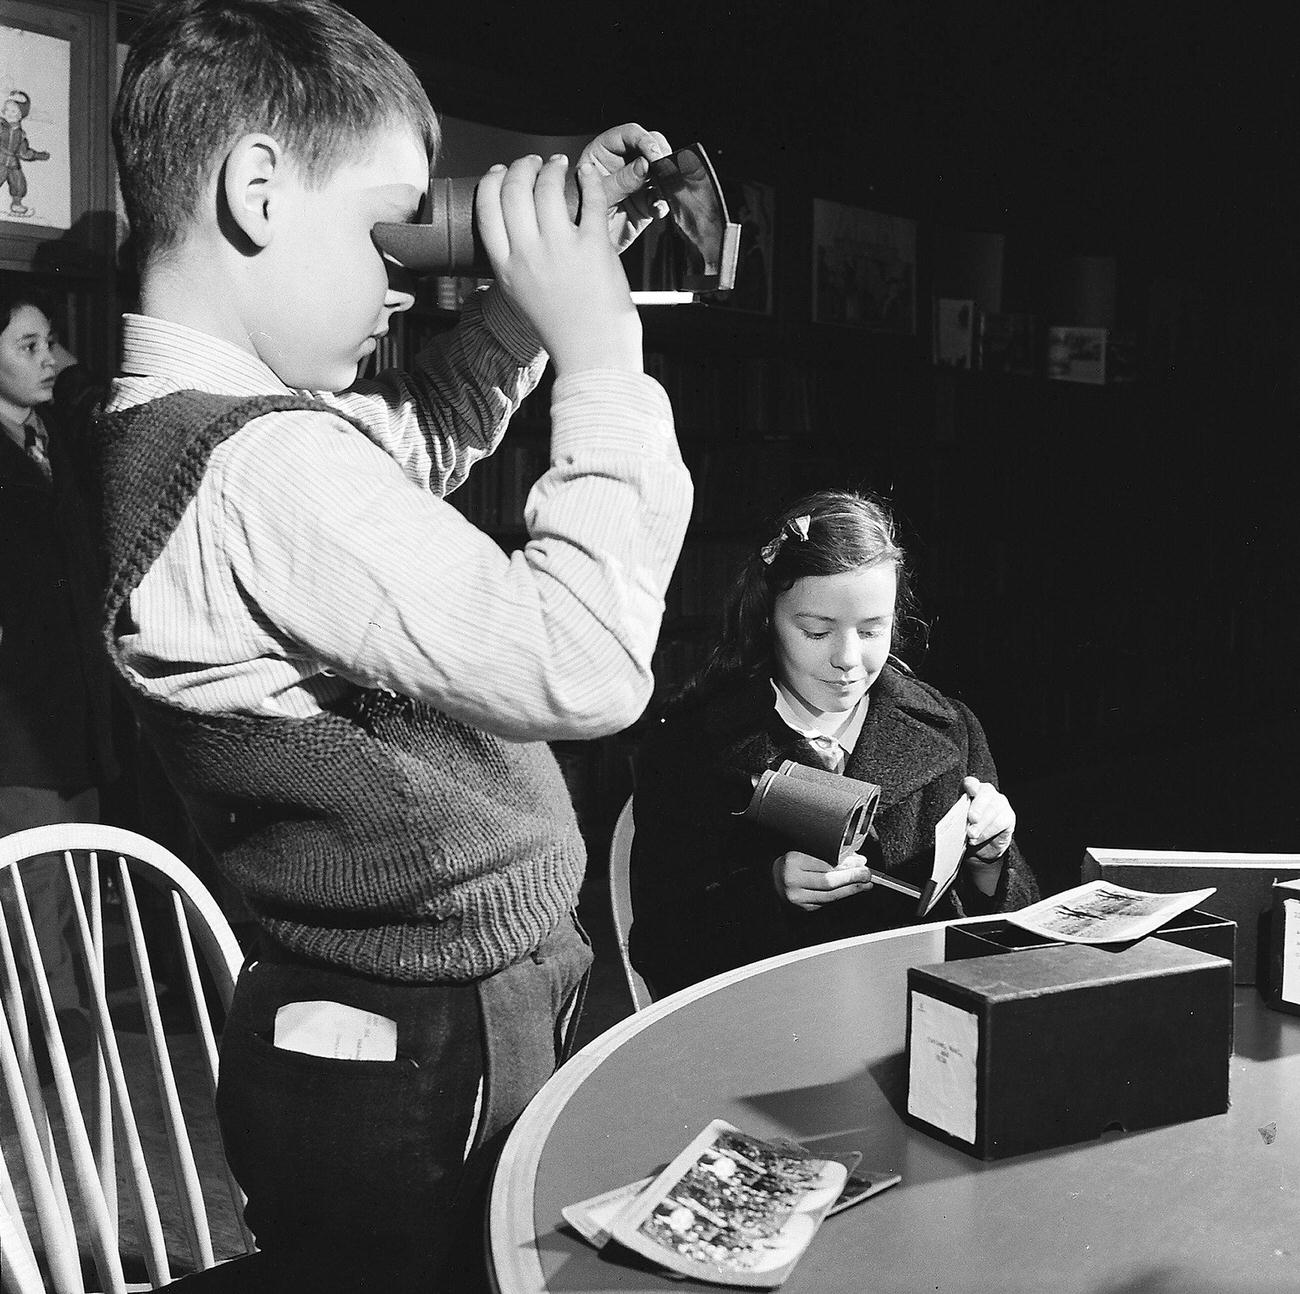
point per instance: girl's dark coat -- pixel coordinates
(704, 900)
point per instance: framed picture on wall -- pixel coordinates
(864, 268)
(53, 133)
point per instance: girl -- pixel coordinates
(805, 672)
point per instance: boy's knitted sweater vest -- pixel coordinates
(381, 835)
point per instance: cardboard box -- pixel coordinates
(1195, 929)
(1204, 931)
(1243, 889)
(1046, 1047)
(1281, 985)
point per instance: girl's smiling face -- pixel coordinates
(831, 634)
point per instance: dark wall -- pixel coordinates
(1134, 651)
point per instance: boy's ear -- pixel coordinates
(253, 172)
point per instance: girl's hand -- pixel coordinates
(990, 821)
(565, 278)
(810, 882)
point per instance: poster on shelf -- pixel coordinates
(864, 268)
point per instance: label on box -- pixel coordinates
(941, 1088)
(1291, 951)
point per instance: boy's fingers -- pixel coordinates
(654, 145)
(595, 210)
(487, 213)
(518, 204)
(611, 148)
(550, 203)
(625, 181)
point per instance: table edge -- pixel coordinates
(513, 1266)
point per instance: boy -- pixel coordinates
(347, 682)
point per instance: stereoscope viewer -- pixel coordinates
(444, 238)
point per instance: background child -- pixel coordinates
(348, 683)
(55, 732)
(805, 672)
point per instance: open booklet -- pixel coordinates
(730, 1209)
(1104, 913)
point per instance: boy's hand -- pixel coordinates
(564, 277)
(622, 155)
(810, 882)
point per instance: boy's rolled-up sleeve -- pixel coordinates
(452, 407)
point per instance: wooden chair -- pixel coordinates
(620, 902)
(100, 1123)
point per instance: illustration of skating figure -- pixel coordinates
(15, 150)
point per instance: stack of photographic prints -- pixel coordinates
(730, 1209)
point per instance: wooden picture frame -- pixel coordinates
(61, 48)
(864, 268)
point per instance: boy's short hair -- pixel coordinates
(15, 292)
(202, 73)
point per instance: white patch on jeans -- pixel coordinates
(335, 1030)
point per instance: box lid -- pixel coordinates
(1059, 968)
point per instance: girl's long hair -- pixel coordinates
(844, 531)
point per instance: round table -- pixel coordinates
(811, 1045)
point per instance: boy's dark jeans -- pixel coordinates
(355, 1171)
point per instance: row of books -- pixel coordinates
(706, 569)
(721, 394)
